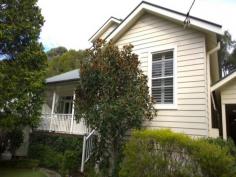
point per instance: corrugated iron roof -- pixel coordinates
(224, 80)
(64, 77)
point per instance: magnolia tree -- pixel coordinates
(112, 97)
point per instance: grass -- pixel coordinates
(12, 172)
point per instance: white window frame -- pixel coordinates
(156, 50)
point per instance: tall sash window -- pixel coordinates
(163, 77)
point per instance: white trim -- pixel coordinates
(159, 49)
(209, 80)
(206, 88)
(165, 13)
(223, 82)
(53, 102)
(104, 28)
(224, 116)
(53, 109)
(73, 112)
(224, 122)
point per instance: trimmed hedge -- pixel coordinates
(59, 152)
(163, 153)
(58, 142)
(46, 156)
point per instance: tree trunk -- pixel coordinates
(113, 161)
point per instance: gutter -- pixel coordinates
(209, 93)
(61, 82)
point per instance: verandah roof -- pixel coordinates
(223, 81)
(72, 75)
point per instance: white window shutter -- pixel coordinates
(162, 77)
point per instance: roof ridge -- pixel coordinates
(104, 25)
(167, 9)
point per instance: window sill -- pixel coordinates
(165, 106)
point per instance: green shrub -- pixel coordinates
(211, 158)
(59, 143)
(11, 139)
(58, 152)
(163, 153)
(90, 170)
(229, 144)
(47, 156)
(70, 162)
(226, 144)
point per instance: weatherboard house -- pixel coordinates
(183, 75)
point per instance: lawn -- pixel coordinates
(9, 172)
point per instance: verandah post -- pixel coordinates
(72, 113)
(53, 108)
(83, 155)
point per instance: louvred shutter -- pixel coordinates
(162, 77)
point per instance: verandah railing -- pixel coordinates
(88, 148)
(65, 123)
(62, 123)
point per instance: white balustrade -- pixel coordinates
(88, 147)
(62, 123)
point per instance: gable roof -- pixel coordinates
(144, 6)
(223, 81)
(64, 77)
(104, 27)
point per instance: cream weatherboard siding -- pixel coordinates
(228, 93)
(108, 31)
(151, 32)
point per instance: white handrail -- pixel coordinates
(90, 134)
(87, 151)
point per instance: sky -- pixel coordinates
(70, 23)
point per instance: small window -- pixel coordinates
(163, 77)
(65, 105)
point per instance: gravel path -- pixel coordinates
(50, 173)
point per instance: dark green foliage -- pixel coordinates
(163, 153)
(90, 170)
(65, 61)
(16, 138)
(11, 140)
(227, 59)
(71, 161)
(59, 152)
(113, 97)
(21, 88)
(21, 172)
(227, 144)
(20, 26)
(55, 52)
(232, 60)
(46, 156)
(25, 163)
(22, 64)
(59, 143)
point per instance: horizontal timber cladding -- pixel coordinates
(108, 31)
(190, 115)
(228, 93)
